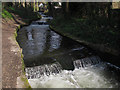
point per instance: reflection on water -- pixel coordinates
(50, 58)
(41, 46)
(36, 45)
(55, 41)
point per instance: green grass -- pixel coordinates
(26, 83)
(96, 31)
(6, 14)
(27, 14)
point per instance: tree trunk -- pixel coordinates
(109, 10)
(50, 9)
(34, 6)
(19, 3)
(63, 7)
(109, 13)
(67, 7)
(14, 3)
(23, 3)
(37, 6)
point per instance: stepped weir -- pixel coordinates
(38, 71)
(82, 63)
(55, 68)
(55, 61)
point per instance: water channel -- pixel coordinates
(55, 61)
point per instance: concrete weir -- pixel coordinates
(55, 61)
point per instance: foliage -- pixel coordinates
(90, 30)
(91, 22)
(26, 14)
(6, 14)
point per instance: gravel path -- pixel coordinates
(11, 57)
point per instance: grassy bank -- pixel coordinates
(26, 14)
(94, 31)
(6, 14)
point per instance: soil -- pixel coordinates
(11, 56)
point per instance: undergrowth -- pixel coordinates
(25, 13)
(6, 14)
(97, 31)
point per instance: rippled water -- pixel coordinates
(76, 66)
(43, 46)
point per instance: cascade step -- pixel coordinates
(82, 63)
(38, 71)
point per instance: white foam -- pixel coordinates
(92, 77)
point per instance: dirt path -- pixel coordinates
(11, 57)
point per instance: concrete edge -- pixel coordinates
(22, 81)
(96, 47)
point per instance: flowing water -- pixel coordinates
(91, 77)
(55, 61)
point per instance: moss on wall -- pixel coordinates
(23, 77)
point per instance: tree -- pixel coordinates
(50, 8)
(34, 6)
(37, 6)
(19, 3)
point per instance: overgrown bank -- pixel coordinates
(26, 14)
(13, 65)
(94, 23)
(22, 81)
(96, 33)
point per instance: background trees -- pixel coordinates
(93, 22)
(99, 21)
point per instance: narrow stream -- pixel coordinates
(55, 61)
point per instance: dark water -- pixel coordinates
(46, 46)
(45, 51)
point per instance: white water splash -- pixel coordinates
(92, 77)
(30, 36)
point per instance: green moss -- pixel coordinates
(23, 78)
(23, 65)
(26, 83)
(15, 36)
(6, 14)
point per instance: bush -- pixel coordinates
(6, 14)
(91, 30)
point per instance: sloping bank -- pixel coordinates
(22, 81)
(12, 58)
(106, 53)
(12, 63)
